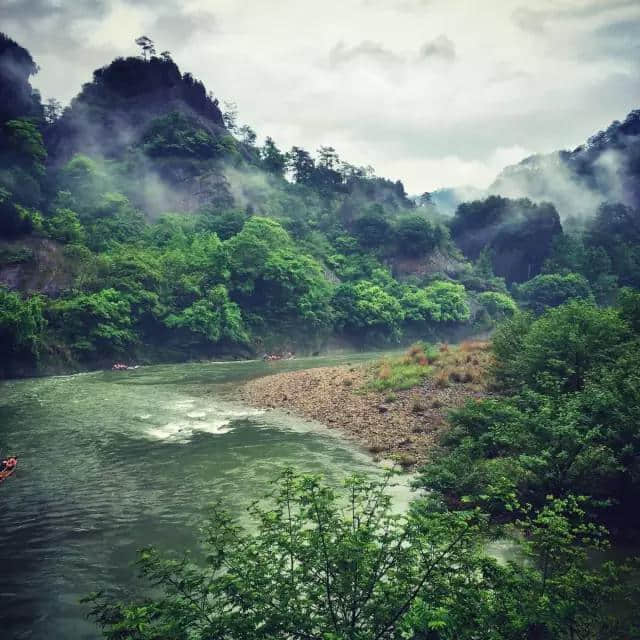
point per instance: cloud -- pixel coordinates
(367, 51)
(377, 79)
(175, 28)
(441, 48)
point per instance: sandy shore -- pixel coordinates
(404, 429)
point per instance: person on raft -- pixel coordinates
(8, 464)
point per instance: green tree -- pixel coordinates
(64, 225)
(372, 228)
(552, 290)
(249, 250)
(450, 300)
(416, 236)
(367, 306)
(560, 347)
(22, 325)
(498, 305)
(273, 160)
(94, 324)
(213, 317)
(315, 567)
(319, 564)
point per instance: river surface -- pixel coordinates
(113, 461)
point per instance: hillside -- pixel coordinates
(143, 223)
(605, 168)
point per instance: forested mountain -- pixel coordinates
(604, 169)
(143, 222)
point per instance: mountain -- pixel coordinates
(604, 169)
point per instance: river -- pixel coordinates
(113, 461)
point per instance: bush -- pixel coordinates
(498, 305)
(322, 564)
(449, 300)
(552, 290)
(558, 349)
(416, 236)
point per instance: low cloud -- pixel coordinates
(366, 50)
(387, 83)
(441, 48)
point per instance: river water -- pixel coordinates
(113, 461)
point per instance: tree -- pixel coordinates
(416, 237)
(321, 564)
(230, 116)
(213, 317)
(314, 568)
(552, 290)
(247, 135)
(519, 232)
(147, 46)
(22, 325)
(372, 228)
(498, 305)
(558, 349)
(52, 110)
(249, 250)
(367, 306)
(273, 160)
(64, 225)
(293, 286)
(301, 165)
(94, 324)
(449, 301)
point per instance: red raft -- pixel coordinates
(8, 471)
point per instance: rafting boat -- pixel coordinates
(8, 472)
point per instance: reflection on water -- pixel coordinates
(110, 461)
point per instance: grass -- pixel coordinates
(393, 374)
(466, 363)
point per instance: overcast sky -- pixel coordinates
(434, 92)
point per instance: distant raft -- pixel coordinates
(7, 471)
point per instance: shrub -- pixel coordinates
(498, 305)
(552, 290)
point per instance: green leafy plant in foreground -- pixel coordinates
(335, 565)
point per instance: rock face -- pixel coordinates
(39, 265)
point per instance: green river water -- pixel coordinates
(112, 461)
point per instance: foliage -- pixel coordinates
(519, 233)
(558, 349)
(552, 290)
(365, 307)
(215, 317)
(498, 305)
(571, 426)
(321, 564)
(416, 236)
(449, 300)
(96, 324)
(22, 325)
(177, 135)
(372, 228)
(65, 226)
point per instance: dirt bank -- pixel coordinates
(405, 428)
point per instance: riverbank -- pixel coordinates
(403, 425)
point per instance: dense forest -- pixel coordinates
(143, 223)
